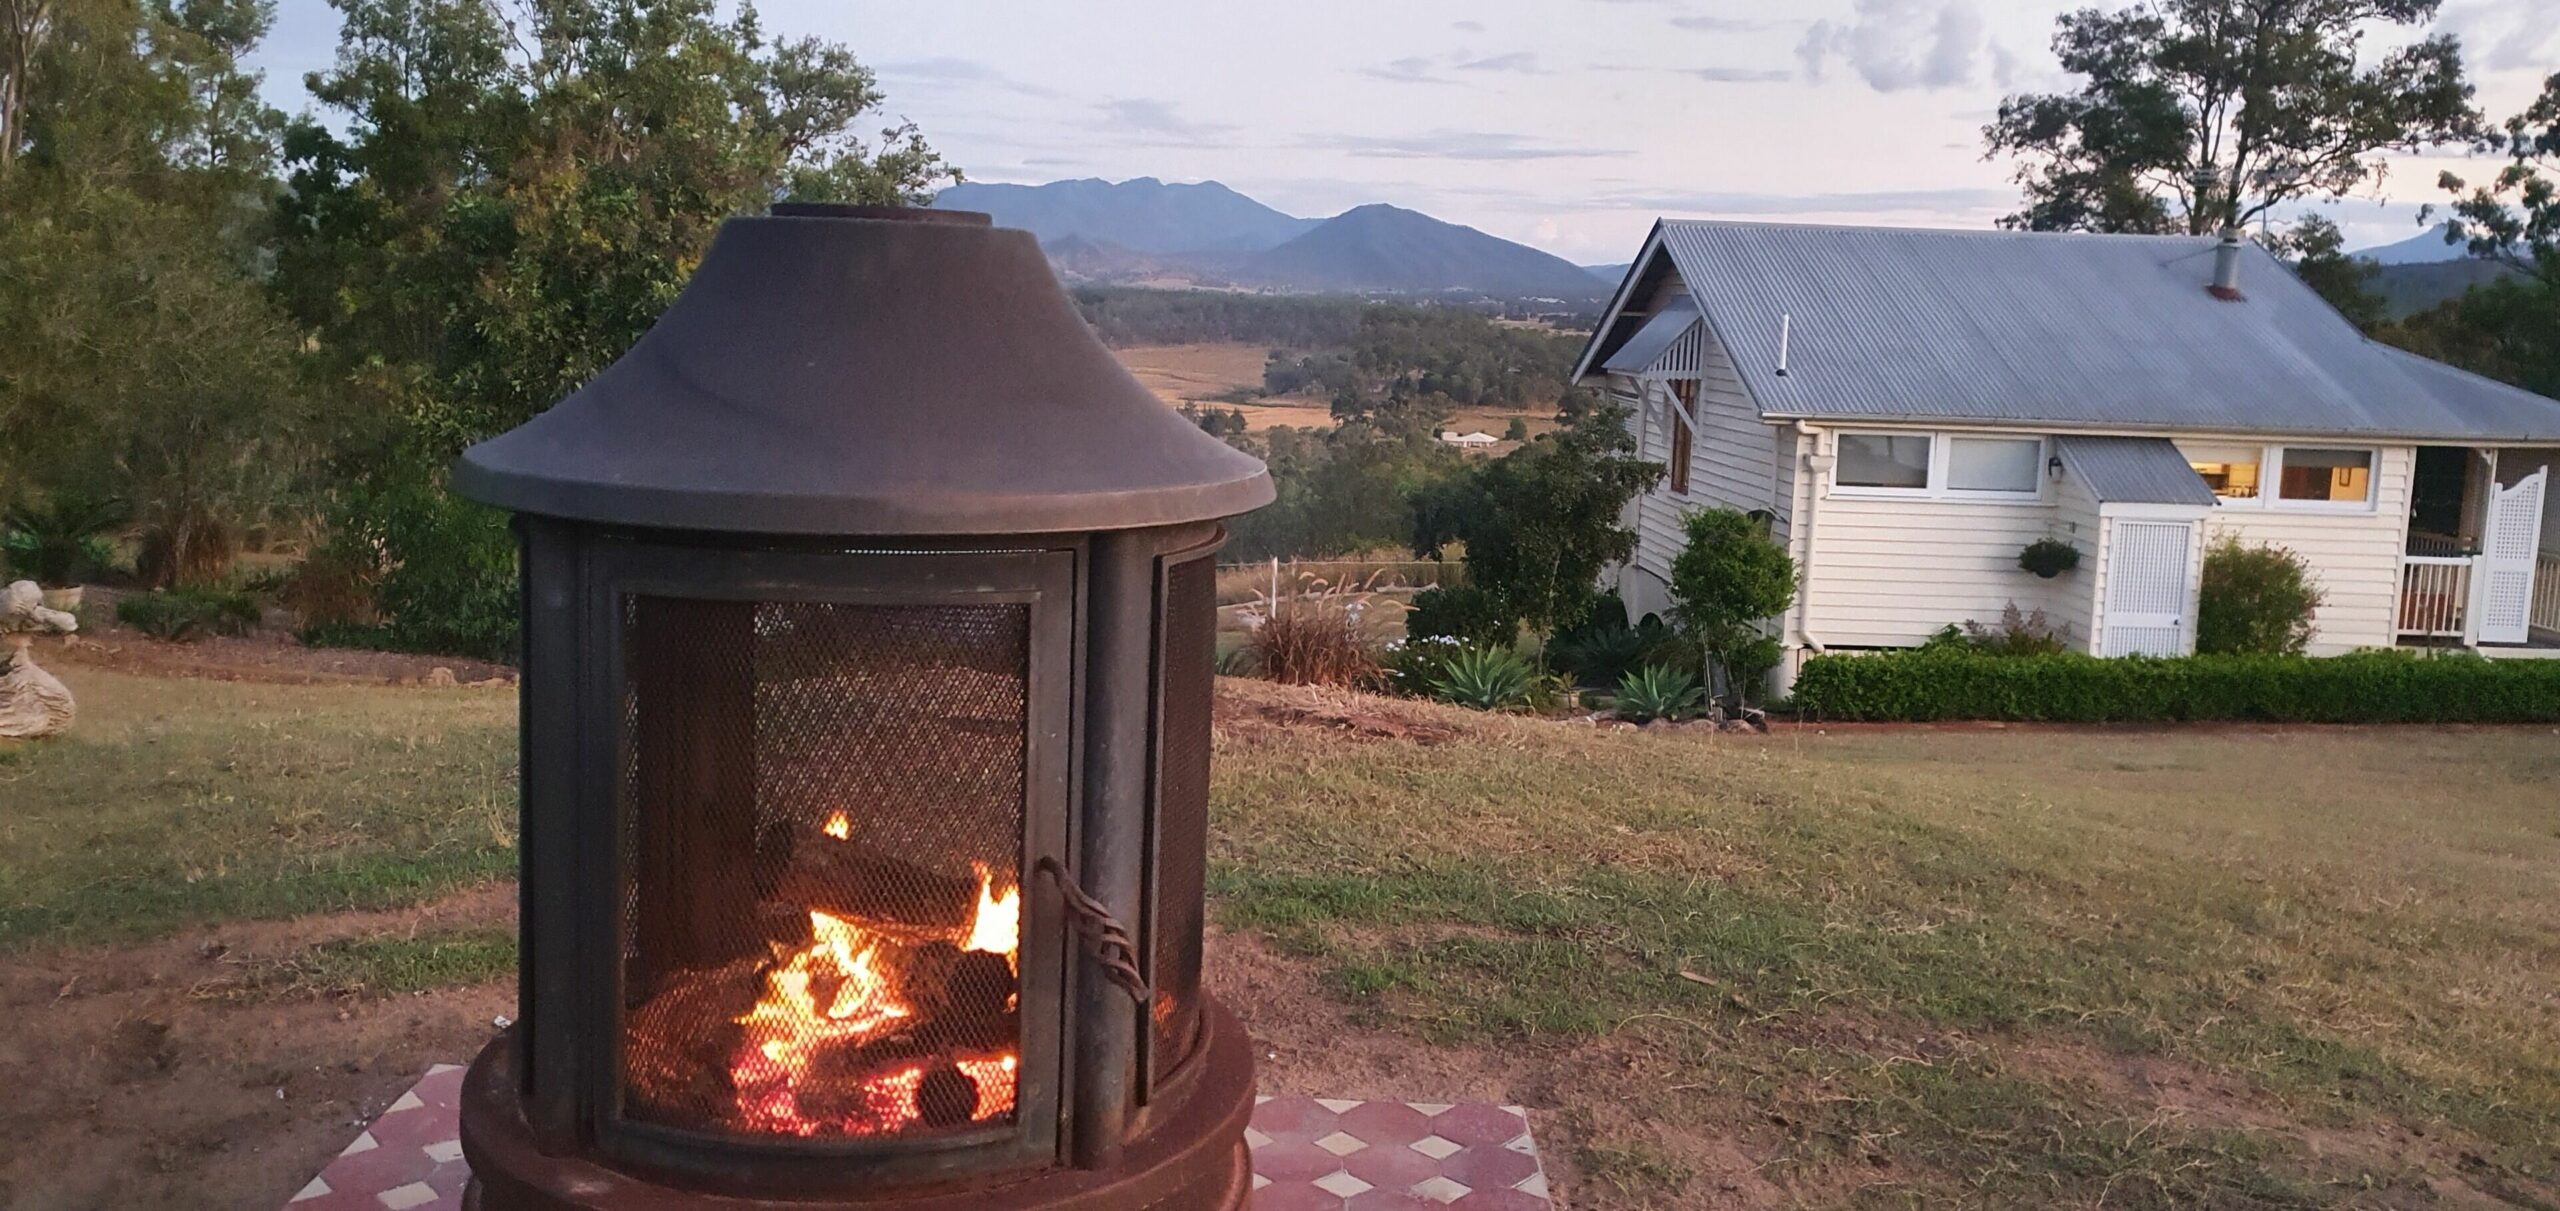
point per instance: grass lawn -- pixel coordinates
(2008, 967)
(175, 801)
(2235, 968)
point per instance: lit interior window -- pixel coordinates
(2231, 471)
(2336, 475)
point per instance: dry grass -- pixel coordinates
(1314, 645)
(1180, 374)
(1900, 968)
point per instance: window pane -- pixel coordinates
(1877, 460)
(2231, 471)
(2314, 474)
(1993, 464)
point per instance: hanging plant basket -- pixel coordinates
(2049, 557)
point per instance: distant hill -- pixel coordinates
(2408, 287)
(1386, 249)
(1143, 215)
(1613, 274)
(2426, 247)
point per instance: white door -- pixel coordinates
(2146, 612)
(2502, 580)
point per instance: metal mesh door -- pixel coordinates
(822, 822)
(1186, 676)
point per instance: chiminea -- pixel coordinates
(869, 625)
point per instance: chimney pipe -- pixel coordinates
(2226, 267)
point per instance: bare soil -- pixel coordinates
(157, 1076)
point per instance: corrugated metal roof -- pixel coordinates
(1651, 341)
(2064, 330)
(2133, 470)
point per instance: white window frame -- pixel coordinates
(1940, 444)
(2271, 498)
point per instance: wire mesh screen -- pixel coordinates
(822, 822)
(1187, 670)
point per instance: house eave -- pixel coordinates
(1835, 420)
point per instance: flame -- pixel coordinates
(997, 927)
(843, 989)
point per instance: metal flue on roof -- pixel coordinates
(2063, 330)
(867, 371)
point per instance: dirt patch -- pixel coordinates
(269, 654)
(134, 1081)
(1249, 709)
(1180, 374)
(1306, 1042)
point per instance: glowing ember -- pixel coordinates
(842, 992)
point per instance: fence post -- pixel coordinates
(1275, 586)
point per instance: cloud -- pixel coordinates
(1520, 61)
(2503, 35)
(1467, 27)
(1454, 145)
(1707, 23)
(1412, 69)
(1904, 44)
(1156, 117)
(1741, 75)
(1879, 201)
(948, 72)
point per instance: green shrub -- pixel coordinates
(57, 542)
(1486, 678)
(2364, 687)
(187, 615)
(1463, 612)
(2254, 599)
(1602, 656)
(1728, 578)
(1656, 692)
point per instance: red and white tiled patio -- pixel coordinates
(1309, 1154)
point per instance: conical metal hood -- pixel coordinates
(866, 371)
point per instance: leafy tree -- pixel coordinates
(138, 356)
(2318, 255)
(1727, 579)
(2508, 329)
(516, 189)
(2514, 217)
(1541, 522)
(2196, 115)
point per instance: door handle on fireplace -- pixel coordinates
(1099, 934)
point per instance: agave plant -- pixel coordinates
(1486, 678)
(1656, 692)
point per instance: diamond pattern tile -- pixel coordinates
(1309, 1154)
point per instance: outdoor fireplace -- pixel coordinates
(869, 616)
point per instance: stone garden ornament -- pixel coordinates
(33, 703)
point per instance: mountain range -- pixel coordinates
(1146, 232)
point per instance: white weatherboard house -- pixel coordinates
(1912, 408)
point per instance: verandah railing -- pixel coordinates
(2435, 596)
(2546, 592)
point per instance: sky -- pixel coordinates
(1566, 124)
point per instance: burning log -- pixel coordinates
(847, 880)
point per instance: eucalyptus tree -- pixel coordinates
(2195, 115)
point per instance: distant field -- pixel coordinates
(1202, 373)
(1181, 374)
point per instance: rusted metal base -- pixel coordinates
(1188, 1154)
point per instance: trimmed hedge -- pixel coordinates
(2364, 687)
